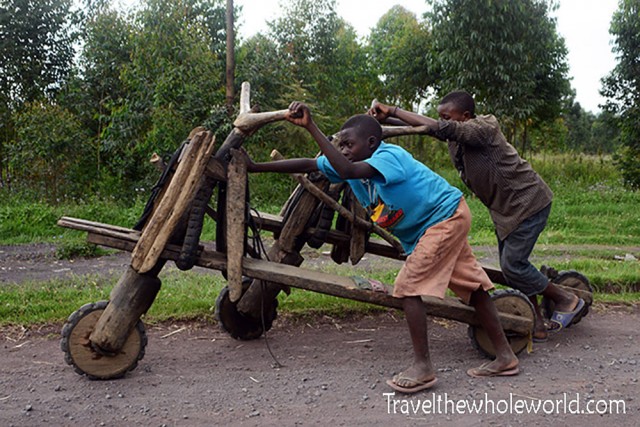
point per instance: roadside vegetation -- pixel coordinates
(594, 224)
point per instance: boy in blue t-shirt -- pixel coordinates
(429, 217)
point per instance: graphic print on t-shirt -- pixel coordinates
(383, 216)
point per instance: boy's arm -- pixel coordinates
(299, 114)
(392, 115)
(281, 166)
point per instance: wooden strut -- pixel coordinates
(317, 281)
(235, 225)
(249, 121)
(125, 239)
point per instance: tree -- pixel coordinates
(36, 48)
(322, 57)
(507, 53)
(95, 88)
(605, 134)
(261, 63)
(36, 56)
(579, 123)
(622, 87)
(174, 79)
(399, 46)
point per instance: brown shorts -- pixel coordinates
(443, 259)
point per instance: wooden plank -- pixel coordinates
(235, 231)
(167, 203)
(327, 283)
(270, 222)
(344, 287)
(111, 242)
(132, 236)
(85, 225)
(162, 224)
(358, 233)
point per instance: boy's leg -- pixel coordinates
(506, 362)
(421, 371)
(522, 275)
(508, 265)
(465, 277)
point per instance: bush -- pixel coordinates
(52, 153)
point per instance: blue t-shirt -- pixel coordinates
(406, 198)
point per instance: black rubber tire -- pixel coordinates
(510, 301)
(238, 325)
(76, 346)
(570, 279)
(188, 253)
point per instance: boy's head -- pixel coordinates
(360, 136)
(458, 106)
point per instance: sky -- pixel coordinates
(584, 24)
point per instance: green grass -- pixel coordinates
(52, 301)
(625, 298)
(183, 296)
(304, 304)
(28, 221)
(186, 296)
(590, 206)
(606, 276)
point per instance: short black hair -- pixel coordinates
(462, 100)
(365, 125)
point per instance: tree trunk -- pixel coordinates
(524, 138)
(231, 65)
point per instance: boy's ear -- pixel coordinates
(467, 115)
(373, 142)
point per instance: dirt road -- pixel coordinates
(332, 372)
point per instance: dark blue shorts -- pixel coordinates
(515, 251)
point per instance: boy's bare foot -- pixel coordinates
(540, 333)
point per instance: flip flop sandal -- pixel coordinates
(565, 319)
(483, 371)
(419, 385)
